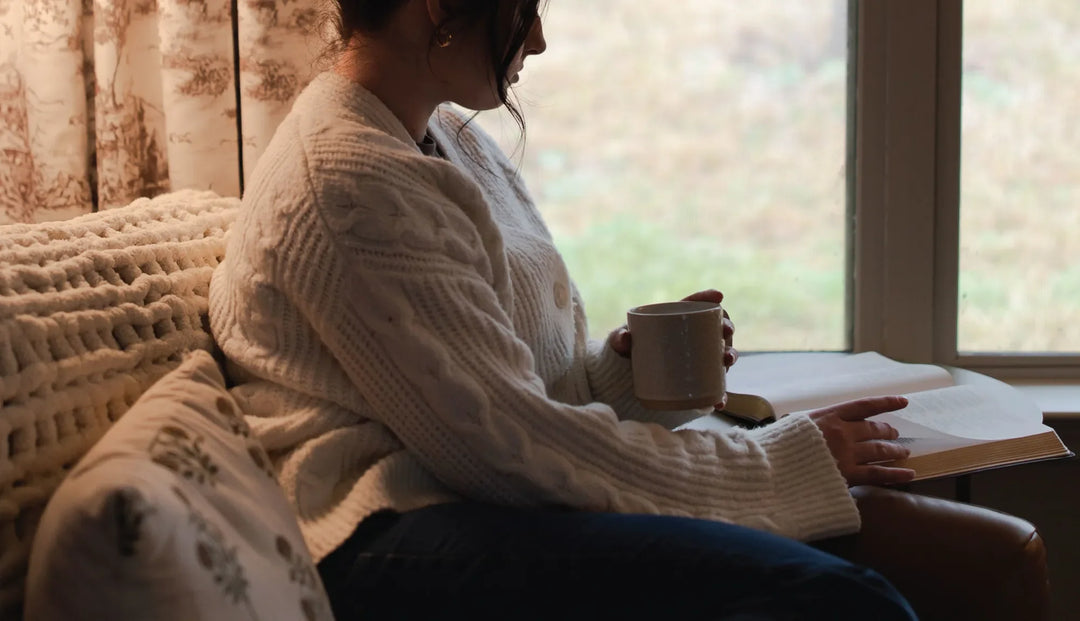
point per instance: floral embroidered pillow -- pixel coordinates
(174, 514)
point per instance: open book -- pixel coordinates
(956, 421)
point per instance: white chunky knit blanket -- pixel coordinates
(92, 311)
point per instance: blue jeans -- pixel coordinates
(473, 561)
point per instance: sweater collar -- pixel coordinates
(332, 86)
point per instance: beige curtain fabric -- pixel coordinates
(43, 110)
(103, 101)
(198, 94)
(165, 105)
(281, 49)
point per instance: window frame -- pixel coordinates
(905, 193)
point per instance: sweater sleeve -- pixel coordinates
(415, 314)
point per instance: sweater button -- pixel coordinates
(562, 294)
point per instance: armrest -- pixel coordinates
(951, 560)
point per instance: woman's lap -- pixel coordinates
(477, 561)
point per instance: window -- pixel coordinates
(1020, 177)
(673, 144)
(913, 85)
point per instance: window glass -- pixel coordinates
(1020, 180)
(674, 146)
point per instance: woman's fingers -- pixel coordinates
(863, 448)
(708, 295)
(874, 430)
(731, 356)
(872, 406)
(620, 341)
(875, 451)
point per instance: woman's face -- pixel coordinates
(466, 69)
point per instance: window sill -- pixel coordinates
(1058, 399)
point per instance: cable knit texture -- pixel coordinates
(404, 333)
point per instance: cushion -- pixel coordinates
(174, 514)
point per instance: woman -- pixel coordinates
(411, 350)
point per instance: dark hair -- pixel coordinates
(497, 16)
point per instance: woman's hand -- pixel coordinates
(860, 446)
(620, 341)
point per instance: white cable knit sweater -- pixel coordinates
(405, 333)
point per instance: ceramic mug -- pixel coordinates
(677, 356)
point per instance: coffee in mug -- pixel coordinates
(677, 357)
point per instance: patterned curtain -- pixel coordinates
(104, 101)
(280, 48)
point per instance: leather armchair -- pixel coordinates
(951, 560)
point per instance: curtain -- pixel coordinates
(104, 101)
(280, 48)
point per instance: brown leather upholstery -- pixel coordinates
(951, 560)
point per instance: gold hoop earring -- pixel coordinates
(443, 38)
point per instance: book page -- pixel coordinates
(964, 415)
(976, 412)
(805, 381)
(969, 422)
(922, 440)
